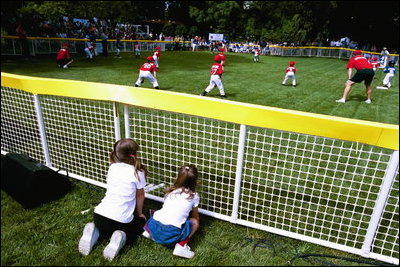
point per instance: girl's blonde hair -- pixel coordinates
(125, 150)
(186, 179)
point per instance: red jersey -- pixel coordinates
(290, 69)
(21, 32)
(63, 53)
(148, 67)
(359, 63)
(375, 64)
(157, 54)
(216, 69)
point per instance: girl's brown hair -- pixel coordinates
(186, 179)
(125, 150)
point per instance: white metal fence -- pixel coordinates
(11, 46)
(40, 46)
(335, 193)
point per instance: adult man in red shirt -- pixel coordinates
(364, 73)
(148, 71)
(63, 58)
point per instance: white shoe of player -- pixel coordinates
(342, 100)
(88, 239)
(146, 234)
(368, 101)
(117, 242)
(65, 67)
(183, 252)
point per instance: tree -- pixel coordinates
(218, 16)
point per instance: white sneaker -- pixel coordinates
(183, 252)
(88, 239)
(146, 234)
(368, 101)
(65, 67)
(117, 242)
(342, 100)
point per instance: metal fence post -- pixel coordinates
(126, 121)
(238, 176)
(117, 124)
(380, 203)
(42, 130)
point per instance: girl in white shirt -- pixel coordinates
(171, 225)
(120, 213)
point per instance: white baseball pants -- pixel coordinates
(146, 75)
(215, 80)
(290, 75)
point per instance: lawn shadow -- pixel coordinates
(356, 98)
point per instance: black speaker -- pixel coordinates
(30, 182)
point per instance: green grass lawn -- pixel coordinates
(49, 235)
(320, 80)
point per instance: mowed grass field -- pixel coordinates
(320, 81)
(49, 236)
(54, 229)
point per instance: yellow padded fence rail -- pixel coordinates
(372, 133)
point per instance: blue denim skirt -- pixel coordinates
(167, 234)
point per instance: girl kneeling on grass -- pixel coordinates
(170, 225)
(114, 216)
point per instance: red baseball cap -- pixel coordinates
(291, 63)
(150, 58)
(357, 52)
(217, 58)
(221, 49)
(65, 45)
(157, 48)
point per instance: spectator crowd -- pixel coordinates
(95, 28)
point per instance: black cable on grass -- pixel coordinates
(291, 250)
(340, 258)
(93, 187)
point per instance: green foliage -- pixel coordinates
(291, 21)
(3, 33)
(169, 29)
(51, 10)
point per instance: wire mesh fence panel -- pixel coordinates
(19, 126)
(80, 135)
(317, 187)
(322, 190)
(386, 240)
(170, 140)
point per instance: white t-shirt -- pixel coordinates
(176, 208)
(120, 200)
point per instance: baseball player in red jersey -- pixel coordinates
(216, 73)
(290, 74)
(374, 62)
(221, 56)
(156, 56)
(148, 71)
(364, 73)
(257, 53)
(63, 58)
